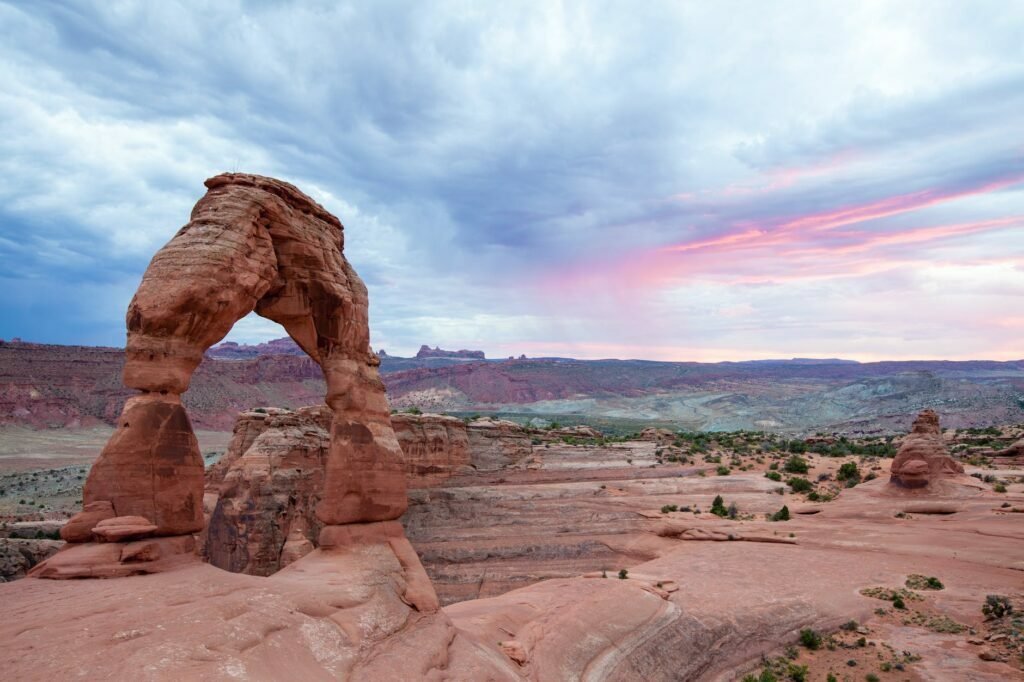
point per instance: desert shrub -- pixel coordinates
(848, 472)
(810, 639)
(996, 606)
(669, 508)
(796, 465)
(733, 511)
(723, 470)
(897, 603)
(849, 626)
(623, 573)
(999, 487)
(797, 673)
(773, 466)
(871, 677)
(414, 410)
(718, 506)
(259, 409)
(781, 515)
(916, 581)
(799, 485)
(773, 475)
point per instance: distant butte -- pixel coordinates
(436, 352)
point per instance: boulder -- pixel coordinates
(79, 527)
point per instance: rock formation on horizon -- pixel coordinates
(426, 351)
(253, 244)
(923, 458)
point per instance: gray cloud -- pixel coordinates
(473, 150)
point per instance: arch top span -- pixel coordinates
(252, 244)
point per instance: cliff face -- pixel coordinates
(435, 446)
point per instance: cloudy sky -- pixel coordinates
(684, 181)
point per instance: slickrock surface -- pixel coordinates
(692, 610)
(923, 459)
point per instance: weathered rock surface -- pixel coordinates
(923, 458)
(497, 443)
(19, 555)
(79, 527)
(434, 446)
(264, 515)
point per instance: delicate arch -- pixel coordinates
(252, 244)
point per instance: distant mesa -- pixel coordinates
(436, 352)
(229, 350)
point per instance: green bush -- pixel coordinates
(996, 606)
(999, 487)
(848, 472)
(781, 515)
(773, 475)
(810, 639)
(623, 573)
(723, 470)
(799, 485)
(669, 508)
(718, 507)
(796, 465)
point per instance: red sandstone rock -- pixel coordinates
(496, 444)
(435, 446)
(923, 457)
(151, 466)
(79, 527)
(264, 516)
(123, 528)
(253, 243)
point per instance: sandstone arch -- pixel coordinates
(253, 243)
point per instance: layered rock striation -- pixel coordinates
(435, 446)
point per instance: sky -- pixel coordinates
(663, 180)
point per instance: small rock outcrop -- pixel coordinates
(435, 446)
(497, 443)
(923, 458)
